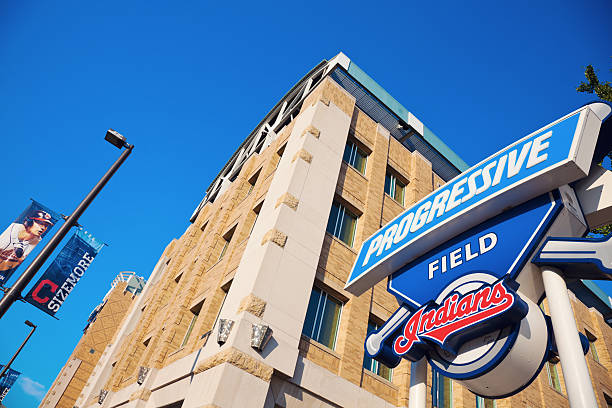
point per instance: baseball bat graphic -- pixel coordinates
(576, 250)
(375, 340)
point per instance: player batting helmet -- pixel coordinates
(41, 217)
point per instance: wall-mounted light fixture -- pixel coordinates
(142, 374)
(260, 336)
(102, 395)
(225, 326)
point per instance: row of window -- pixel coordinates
(342, 222)
(357, 158)
(322, 323)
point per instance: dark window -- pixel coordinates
(279, 154)
(256, 210)
(253, 181)
(553, 376)
(195, 312)
(592, 346)
(485, 403)
(355, 156)
(322, 318)
(342, 223)
(227, 238)
(373, 365)
(395, 187)
(441, 390)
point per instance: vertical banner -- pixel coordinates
(18, 240)
(7, 381)
(62, 275)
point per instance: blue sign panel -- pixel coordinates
(533, 165)
(496, 247)
(61, 277)
(7, 381)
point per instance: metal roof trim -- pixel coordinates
(408, 117)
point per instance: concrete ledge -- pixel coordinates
(276, 237)
(173, 372)
(142, 395)
(253, 305)
(313, 130)
(238, 359)
(289, 200)
(302, 154)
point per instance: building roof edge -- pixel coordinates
(407, 116)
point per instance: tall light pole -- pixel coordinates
(8, 365)
(14, 293)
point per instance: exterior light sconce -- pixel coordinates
(260, 336)
(142, 374)
(225, 326)
(102, 395)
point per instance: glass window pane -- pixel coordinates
(347, 230)
(447, 393)
(442, 391)
(399, 192)
(553, 376)
(347, 152)
(329, 322)
(225, 245)
(333, 219)
(594, 351)
(368, 362)
(384, 371)
(485, 403)
(189, 329)
(360, 161)
(388, 184)
(311, 313)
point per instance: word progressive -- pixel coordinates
(465, 190)
(455, 315)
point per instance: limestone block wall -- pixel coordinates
(253, 256)
(74, 375)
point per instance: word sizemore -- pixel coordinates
(467, 188)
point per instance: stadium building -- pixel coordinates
(248, 308)
(102, 325)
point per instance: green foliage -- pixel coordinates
(604, 91)
(603, 230)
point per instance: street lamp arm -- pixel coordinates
(8, 365)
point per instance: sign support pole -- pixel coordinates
(573, 364)
(417, 396)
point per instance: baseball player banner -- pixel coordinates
(20, 238)
(7, 381)
(65, 271)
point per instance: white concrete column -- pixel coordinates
(103, 368)
(417, 396)
(577, 380)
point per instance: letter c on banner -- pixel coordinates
(39, 288)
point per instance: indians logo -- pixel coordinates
(460, 318)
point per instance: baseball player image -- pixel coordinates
(18, 240)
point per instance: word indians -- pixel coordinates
(460, 318)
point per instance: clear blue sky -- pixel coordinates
(187, 81)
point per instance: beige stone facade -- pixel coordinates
(69, 383)
(254, 254)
